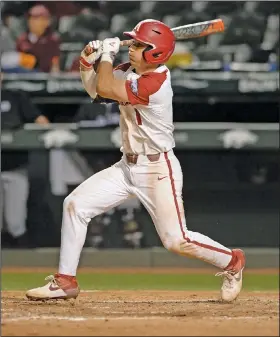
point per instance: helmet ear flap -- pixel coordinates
(148, 48)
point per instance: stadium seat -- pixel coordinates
(252, 27)
(268, 7)
(83, 27)
(121, 7)
(216, 8)
(244, 28)
(163, 8)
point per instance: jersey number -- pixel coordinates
(138, 117)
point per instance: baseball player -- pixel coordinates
(148, 168)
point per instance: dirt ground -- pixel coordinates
(142, 313)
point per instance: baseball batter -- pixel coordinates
(148, 168)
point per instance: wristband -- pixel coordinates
(85, 63)
(107, 57)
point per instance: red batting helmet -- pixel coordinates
(159, 38)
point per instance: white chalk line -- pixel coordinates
(152, 301)
(104, 318)
(77, 319)
(28, 318)
(163, 301)
(7, 309)
(155, 301)
(147, 301)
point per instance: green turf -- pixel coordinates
(104, 281)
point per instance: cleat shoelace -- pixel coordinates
(51, 279)
(228, 278)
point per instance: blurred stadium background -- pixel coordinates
(226, 113)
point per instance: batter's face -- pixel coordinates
(135, 53)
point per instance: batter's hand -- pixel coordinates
(91, 54)
(111, 47)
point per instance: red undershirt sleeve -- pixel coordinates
(139, 90)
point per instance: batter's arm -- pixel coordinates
(108, 86)
(89, 80)
(88, 63)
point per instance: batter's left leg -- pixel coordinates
(98, 194)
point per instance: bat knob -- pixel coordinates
(88, 50)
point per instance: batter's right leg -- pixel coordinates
(159, 188)
(101, 192)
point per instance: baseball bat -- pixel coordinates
(191, 31)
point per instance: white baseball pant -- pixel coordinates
(158, 185)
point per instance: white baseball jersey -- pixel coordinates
(146, 121)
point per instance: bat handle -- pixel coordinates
(124, 43)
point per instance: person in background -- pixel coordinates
(13, 61)
(40, 41)
(7, 42)
(16, 109)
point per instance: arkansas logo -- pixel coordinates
(134, 86)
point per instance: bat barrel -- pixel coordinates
(199, 29)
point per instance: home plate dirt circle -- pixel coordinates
(142, 313)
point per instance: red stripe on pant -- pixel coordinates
(138, 117)
(179, 215)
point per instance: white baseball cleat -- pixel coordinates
(232, 277)
(58, 287)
